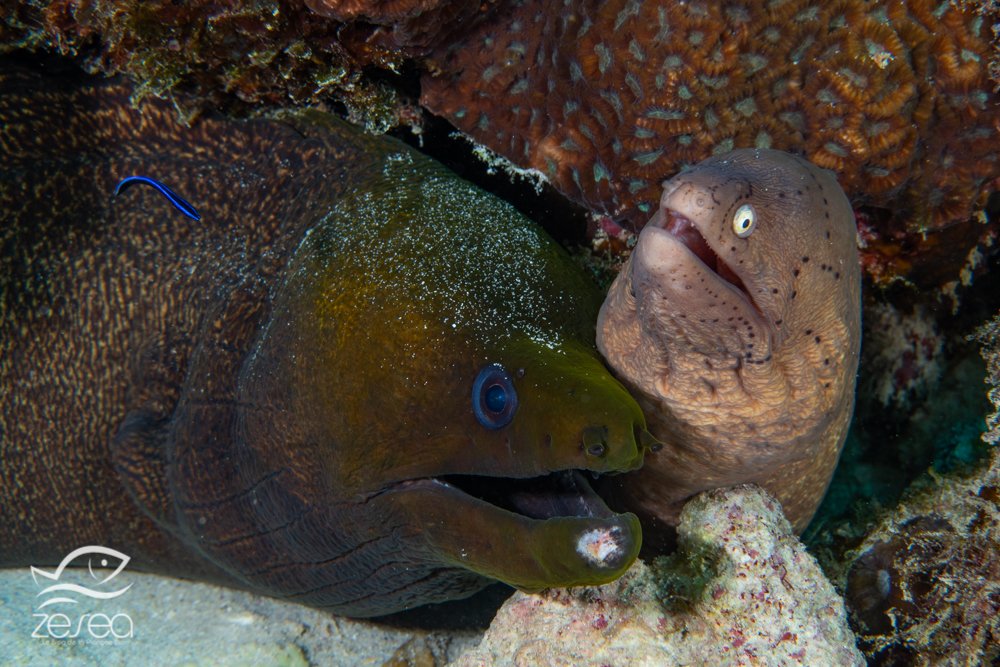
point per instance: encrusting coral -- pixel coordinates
(924, 586)
(401, 24)
(238, 55)
(988, 336)
(609, 98)
(903, 355)
(740, 590)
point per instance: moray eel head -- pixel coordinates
(514, 503)
(720, 253)
(430, 376)
(736, 323)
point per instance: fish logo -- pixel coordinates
(104, 557)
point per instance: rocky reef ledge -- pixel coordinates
(741, 589)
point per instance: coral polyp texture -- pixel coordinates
(609, 98)
(988, 336)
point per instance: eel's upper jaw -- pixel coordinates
(551, 486)
(556, 491)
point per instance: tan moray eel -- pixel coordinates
(736, 323)
(283, 395)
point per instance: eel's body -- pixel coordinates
(736, 323)
(290, 394)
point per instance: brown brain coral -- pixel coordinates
(609, 98)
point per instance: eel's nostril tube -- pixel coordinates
(595, 440)
(646, 439)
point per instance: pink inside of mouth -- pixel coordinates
(687, 233)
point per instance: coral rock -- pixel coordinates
(410, 25)
(234, 55)
(609, 98)
(923, 588)
(926, 585)
(989, 337)
(740, 590)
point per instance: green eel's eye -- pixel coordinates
(744, 221)
(494, 400)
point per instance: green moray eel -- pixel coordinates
(736, 323)
(357, 382)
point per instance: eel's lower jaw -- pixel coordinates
(573, 539)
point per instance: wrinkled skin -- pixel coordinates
(742, 351)
(279, 396)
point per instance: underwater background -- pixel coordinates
(906, 539)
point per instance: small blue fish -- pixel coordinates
(179, 203)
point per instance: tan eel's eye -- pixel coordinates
(744, 221)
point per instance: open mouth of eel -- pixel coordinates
(687, 233)
(684, 230)
(551, 529)
(566, 493)
(562, 493)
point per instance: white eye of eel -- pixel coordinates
(744, 221)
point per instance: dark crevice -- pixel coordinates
(565, 493)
